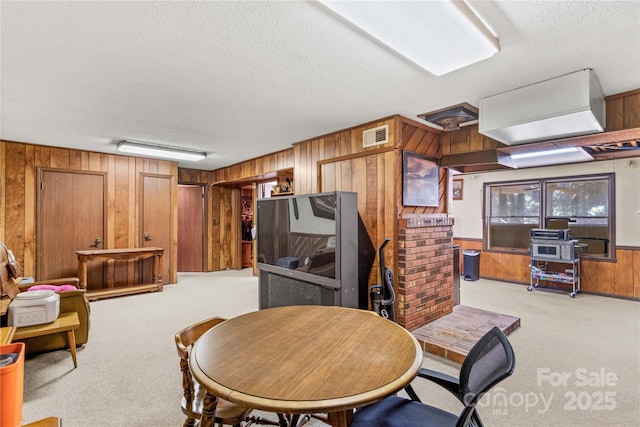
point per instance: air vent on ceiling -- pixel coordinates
(375, 136)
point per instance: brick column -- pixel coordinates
(425, 269)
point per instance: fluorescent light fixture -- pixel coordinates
(155, 150)
(439, 36)
(550, 157)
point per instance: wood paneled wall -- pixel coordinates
(620, 278)
(465, 140)
(421, 139)
(258, 169)
(19, 163)
(337, 162)
(225, 207)
(623, 110)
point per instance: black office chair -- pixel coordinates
(490, 361)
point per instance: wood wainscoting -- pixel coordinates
(124, 178)
(612, 278)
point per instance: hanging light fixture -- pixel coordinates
(156, 150)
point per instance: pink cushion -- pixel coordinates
(60, 288)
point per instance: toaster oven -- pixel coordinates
(553, 250)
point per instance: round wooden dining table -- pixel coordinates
(305, 360)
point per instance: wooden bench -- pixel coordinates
(66, 322)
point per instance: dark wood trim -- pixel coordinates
(475, 161)
(622, 94)
(354, 155)
(628, 248)
(623, 135)
(412, 122)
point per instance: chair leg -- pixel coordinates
(288, 420)
(282, 420)
(189, 422)
(412, 394)
(475, 419)
(253, 420)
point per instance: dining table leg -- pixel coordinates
(209, 402)
(340, 419)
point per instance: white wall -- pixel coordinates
(468, 211)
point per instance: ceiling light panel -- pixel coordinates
(439, 36)
(154, 150)
(550, 157)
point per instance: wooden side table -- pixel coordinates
(66, 322)
(4, 305)
(6, 334)
(121, 254)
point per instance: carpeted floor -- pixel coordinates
(577, 360)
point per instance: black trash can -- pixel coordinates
(456, 274)
(471, 264)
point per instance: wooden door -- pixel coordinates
(191, 205)
(71, 217)
(156, 223)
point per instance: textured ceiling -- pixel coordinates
(242, 79)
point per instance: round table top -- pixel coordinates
(305, 359)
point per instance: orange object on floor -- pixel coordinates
(47, 422)
(12, 386)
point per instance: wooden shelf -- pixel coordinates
(288, 193)
(554, 277)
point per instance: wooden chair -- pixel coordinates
(227, 413)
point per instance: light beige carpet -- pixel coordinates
(577, 360)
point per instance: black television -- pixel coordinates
(313, 249)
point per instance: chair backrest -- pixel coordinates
(189, 335)
(490, 361)
(191, 405)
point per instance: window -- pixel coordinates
(585, 204)
(582, 204)
(514, 209)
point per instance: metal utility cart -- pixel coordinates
(554, 247)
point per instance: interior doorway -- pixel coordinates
(156, 224)
(191, 227)
(246, 196)
(71, 217)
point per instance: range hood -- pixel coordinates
(477, 161)
(565, 106)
